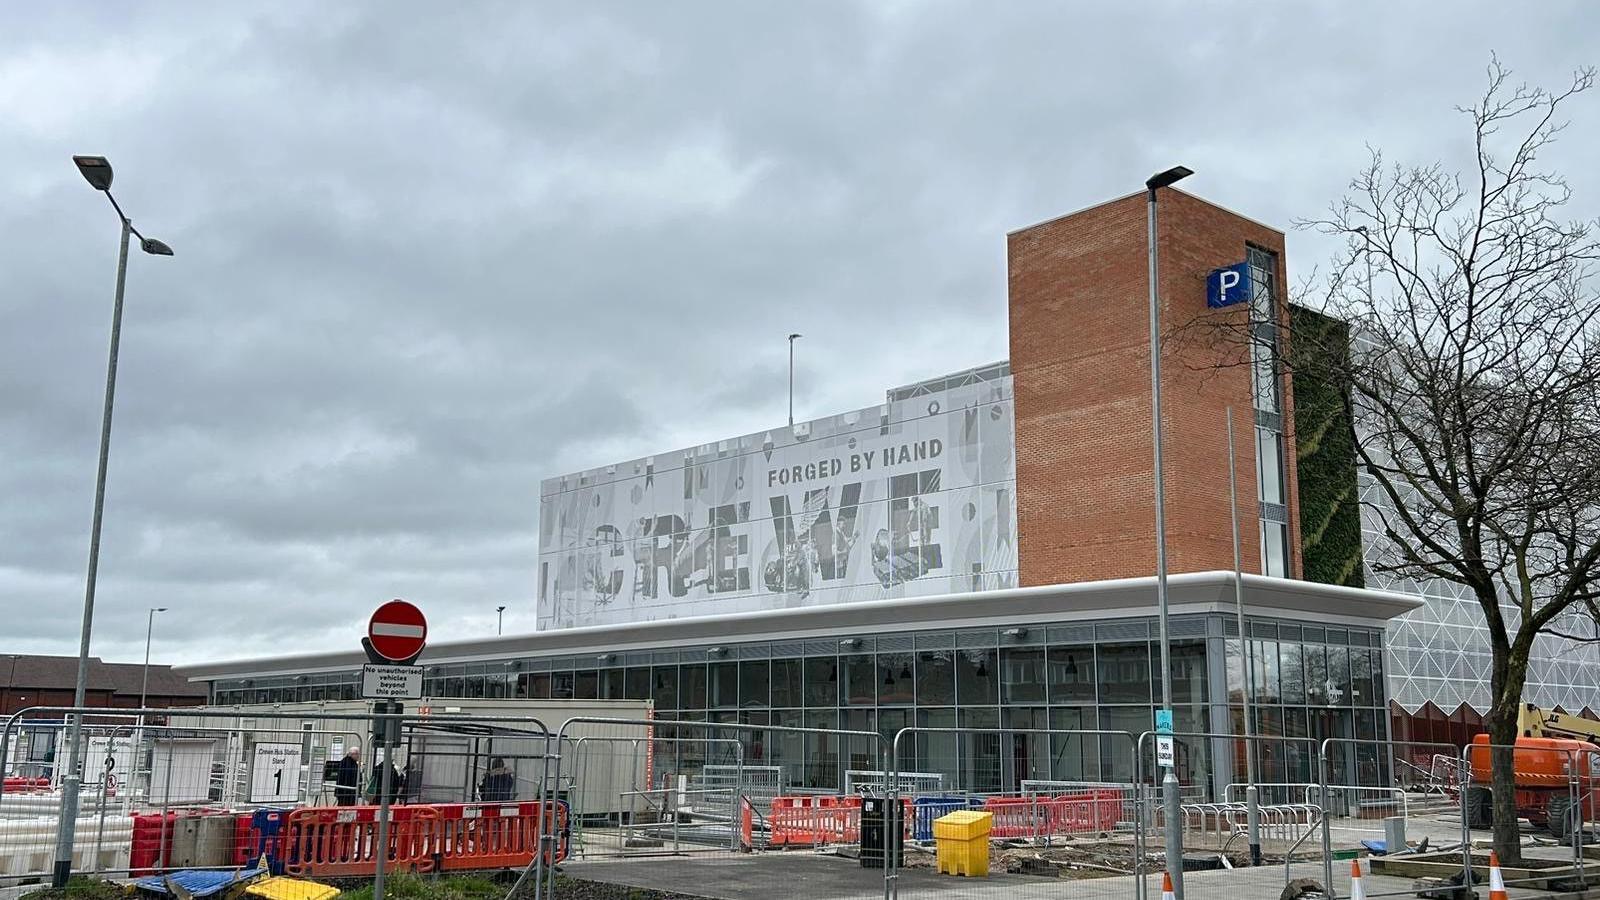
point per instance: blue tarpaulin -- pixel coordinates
(199, 882)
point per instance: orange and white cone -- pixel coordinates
(1166, 887)
(1357, 890)
(1497, 881)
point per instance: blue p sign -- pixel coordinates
(1228, 285)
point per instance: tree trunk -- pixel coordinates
(1503, 717)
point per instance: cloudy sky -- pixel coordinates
(428, 254)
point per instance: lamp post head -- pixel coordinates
(96, 170)
(154, 247)
(158, 609)
(796, 335)
(1168, 178)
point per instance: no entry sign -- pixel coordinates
(397, 631)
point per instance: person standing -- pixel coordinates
(499, 784)
(347, 784)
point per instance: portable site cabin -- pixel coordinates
(289, 752)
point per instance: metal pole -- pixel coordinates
(382, 853)
(66, 824)
(500, 620)
(791, 379)
(1252, 801)
(1169, 778)
(144, 680)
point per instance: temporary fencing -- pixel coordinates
(204, 789)
(219, 789)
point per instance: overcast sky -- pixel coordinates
(428, 254)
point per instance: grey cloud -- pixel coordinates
(428, 255)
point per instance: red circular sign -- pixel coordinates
(397, 630)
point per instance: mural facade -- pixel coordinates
(913, 497)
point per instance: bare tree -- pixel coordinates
(1472, 359)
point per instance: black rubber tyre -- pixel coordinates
(1302, 889)
(1478, 806)
(1560, 812)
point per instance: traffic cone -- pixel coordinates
(1357, 890)
(1166, 887)
(1497, 881)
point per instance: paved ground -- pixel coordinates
(807, 876)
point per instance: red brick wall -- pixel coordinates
(1080, 356)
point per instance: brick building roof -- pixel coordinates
(20, 671)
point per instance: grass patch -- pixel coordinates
(405, 886)
(80, 888)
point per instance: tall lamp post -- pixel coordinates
(149, 631)
(1169, 778)
(97, 171)
(500, 620)
(792, 339)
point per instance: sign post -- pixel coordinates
(396, 634)
(1164, 756)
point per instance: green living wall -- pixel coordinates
(1325, 453)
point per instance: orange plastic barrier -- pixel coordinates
(343, 840)
(816, 821)
(1089, 812)
(498, 835)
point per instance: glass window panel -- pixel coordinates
(1071, 674)
(588, 685)
(1027, 755)
(636, 684)
(1075, 757)
(1339, 682)
(786, 683)
(977, 682)
(1274, 549)
(823, 751)
(897, 683)
(822, 682)
(1269, 465)
(561, 686)
(1022, 675)
(755, 688)
(664, 687)
(692, 686)
(1265, 657)
(1291, 673)
(1116, 763)
(938, 751)
(1188, 672)
(980, 749)
(936, 680)
(1124, 673)
(611, 686)
(724, 685)
(861, 683)
(1316, 662)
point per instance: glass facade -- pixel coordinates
(1272, 486)
(999, 684)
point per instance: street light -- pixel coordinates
(500, 620)
(97, 171)
(792, 339)
(1169, 779)
(149, 629)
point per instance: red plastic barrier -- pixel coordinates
(498, 835)
(1088, 812)
(343, 841)
(17, 784)
(816, 821)
(151, 847)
